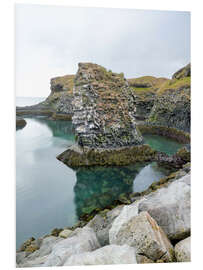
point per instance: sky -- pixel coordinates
(52, 40)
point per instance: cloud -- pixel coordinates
(51, 40)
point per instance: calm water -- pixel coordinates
(49, 194)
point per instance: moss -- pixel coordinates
(172, 133)
(174, 84)
(31, 248)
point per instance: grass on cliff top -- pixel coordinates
(174, 84)
(67, 81)
(150, 80)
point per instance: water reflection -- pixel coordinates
(98, 187)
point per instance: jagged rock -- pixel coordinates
(103, 108)
(170, 207)
(76, 156)
(111, 254)
(101, 224)
(144, 92)
(20, 122)
(183, 250)
(81, 240)
(177, 160)
(183, 72)
(142, 232)
(172, 105)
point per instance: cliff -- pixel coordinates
(172, 104)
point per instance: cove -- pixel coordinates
(49, 194)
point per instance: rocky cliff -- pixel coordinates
(58, 104)
(172, 104)
(144, 91)
(103, 108)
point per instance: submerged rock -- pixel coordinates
(111, 254)
(183, 250)
(103, 109)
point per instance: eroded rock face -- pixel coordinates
(170, 207)
(183, 250)
(111, 254)
(172, 105)
(103, 108)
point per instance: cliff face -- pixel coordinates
(144, 90)
(172, 105)
(103, 108)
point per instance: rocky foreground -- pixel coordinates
(153, 228)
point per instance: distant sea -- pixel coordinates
(28, 101)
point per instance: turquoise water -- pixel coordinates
(49, 194)
(162, 144)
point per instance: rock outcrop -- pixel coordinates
(58, 104)
(103, 109)
(172, 105)
(144, 91)
(20, 122)
(76, 156)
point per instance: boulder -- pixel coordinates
(183, 250)
(111, 254)
(170, 207)
(65, 233)
(143, 233)
(127, 213)
(81, 240)
(101, 224)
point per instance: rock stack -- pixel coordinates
(103, 109)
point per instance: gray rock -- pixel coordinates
(65, 233)
(101, 224)
(111, 254)
(183, 250)
(170, 207)
(143, 233)
(127, 213)
(81, 240)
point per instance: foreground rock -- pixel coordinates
(111, 254)
(183, 250)
(76, 156)
(170, 207)
(143, 233)
(172, 105)
(20, 122)
(81, 240)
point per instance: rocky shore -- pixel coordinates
(153, 227)
(110, 114)
(20, 122)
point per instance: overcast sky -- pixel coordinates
(52, 40)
